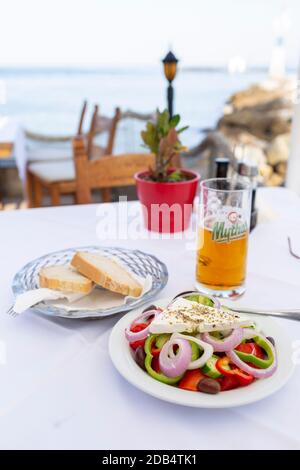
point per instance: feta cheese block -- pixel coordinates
(191, 317)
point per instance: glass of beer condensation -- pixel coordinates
(223, 229)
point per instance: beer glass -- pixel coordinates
(223, 229)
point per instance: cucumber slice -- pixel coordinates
(161, 340)
(192, 297)
(205, 301)
(195, 351)
(201, 299)
(210, 368)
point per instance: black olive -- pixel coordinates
(140, 356)
(208, 385)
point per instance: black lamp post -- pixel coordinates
(170, 69)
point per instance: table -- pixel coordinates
(12, 133)
(58, 386)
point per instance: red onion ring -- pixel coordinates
(257, 373)
(139, 335)
(207, 350)
(173, 365)
(227, 344)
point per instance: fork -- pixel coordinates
(11, 312)
(288, 314)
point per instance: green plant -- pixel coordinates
(161, 138)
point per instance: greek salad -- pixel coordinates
(198, 345)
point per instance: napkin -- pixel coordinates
(101, 299)
(98, 299)
(32, 297)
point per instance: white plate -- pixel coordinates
(140, 263)
(123, 361)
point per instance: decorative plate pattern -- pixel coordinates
(137, 261)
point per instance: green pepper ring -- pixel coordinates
(148, 361)
(261, 363)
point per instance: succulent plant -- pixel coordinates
(162, 138)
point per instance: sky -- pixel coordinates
(139, 32)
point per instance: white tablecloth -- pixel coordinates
(11, 131)
(58, 386)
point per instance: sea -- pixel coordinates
(48, 100)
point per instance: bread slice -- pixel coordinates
(107, 273)
(64, 278)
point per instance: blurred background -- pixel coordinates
(237, 67)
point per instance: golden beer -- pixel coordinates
(221, 264)
(222, 243)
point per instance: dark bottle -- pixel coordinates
(222, 165)
(247, 171)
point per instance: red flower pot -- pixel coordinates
(167, 207)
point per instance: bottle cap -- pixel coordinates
(246, 168)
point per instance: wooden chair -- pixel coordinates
(107, 172)
(58, 177)
(82, 116)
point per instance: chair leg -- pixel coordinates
(55, 195)
(106, 194)
(38, 192)
(30, 189)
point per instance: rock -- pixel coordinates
(281, 168)
(265, 171)
(250, 153)
(273, 105)
(265, 126)
(278, 150)
(241, 137)
(263, 110)
(275, 180)
(255, 126)
(260, 94)
(202, 157)
(215, 142)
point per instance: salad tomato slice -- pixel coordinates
(251, 348)
(138, 327)
(225, 366)
(228, 383)
(191, 379)
(135, 329)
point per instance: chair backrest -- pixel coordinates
(81, 119)
(106, 172)
(100, 124)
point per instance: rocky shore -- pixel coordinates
(256, 125)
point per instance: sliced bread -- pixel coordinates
(64, 278)
(106, 272)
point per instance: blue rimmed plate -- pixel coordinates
(140, 263)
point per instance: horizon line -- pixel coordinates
(96, 67)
